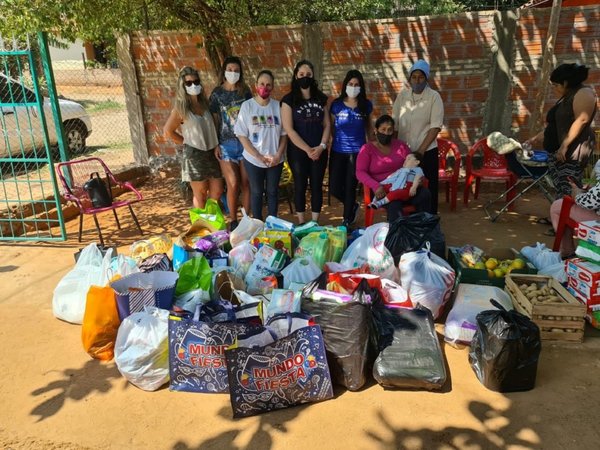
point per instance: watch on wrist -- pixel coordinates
(323, 145)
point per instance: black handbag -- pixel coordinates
(98, 192)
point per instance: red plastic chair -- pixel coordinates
(449, 175)
(494, 167)
(74, 174)
(370, 213)
(564, 221)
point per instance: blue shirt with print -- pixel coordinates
(349, 127)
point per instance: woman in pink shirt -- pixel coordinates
(377, 160)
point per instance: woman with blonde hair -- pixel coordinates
(197, 134)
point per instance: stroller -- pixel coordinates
(530, 167)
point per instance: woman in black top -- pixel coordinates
(568, 137)
(305, 118)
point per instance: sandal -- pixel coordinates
(550, 232)
(543, 221)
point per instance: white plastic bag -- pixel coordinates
(142, 348)
(247, 229)
(541, 256)
(300, 270)
(370, 249)
(471, 299)
(394, 294)
(68, 301)
(241, 258)
(427, 278)
(556, 271)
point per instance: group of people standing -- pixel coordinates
(257, 133)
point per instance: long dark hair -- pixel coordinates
(363, 104)
(574, 74)
(315, 92)
(241, 85)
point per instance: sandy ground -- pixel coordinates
(54, 396)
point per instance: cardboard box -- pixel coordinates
(590, 298)
(582, 297)
(466, 274)
(589, 231)
(564, 321)
(584, 276)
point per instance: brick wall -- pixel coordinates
(459, 47)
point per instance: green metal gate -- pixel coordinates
(29, 196)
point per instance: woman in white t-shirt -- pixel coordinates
(258, 127)
(419, 116)
(197, 134)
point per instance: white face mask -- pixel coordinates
(193, 89)
(352, 91)
(232, 77)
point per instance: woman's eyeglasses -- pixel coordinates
(189, 83)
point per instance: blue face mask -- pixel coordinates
(418, 87)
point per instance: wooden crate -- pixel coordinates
(557, 321)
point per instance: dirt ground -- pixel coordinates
(55, 397)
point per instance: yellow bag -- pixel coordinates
(100, 322)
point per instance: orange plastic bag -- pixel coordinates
(100, 323)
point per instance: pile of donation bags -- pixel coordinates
(271, 313)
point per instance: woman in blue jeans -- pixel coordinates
(224, 103)
(258, 127)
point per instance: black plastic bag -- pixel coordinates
(346, 329)
(96, 189)
(410, 233)
(410, 355)
(505, 350)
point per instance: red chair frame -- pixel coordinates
(73, 175)
(446, 174)
(495, 167)
(370, 213)
(564, 221)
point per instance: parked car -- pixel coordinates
(20, 125)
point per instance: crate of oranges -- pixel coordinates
(474, 266)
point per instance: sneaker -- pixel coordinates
(353, 216)
(233, 225)
(346, 223)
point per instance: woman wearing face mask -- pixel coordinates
(306, 120)
(199, 165)
(351, 124)
(379, 159)
(419, 115)
(225, 102)
(259, 129)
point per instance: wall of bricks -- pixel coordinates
(459, 47)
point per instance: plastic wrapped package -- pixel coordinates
(410, 355)
(241, 258)
(470, 300)
(275, 223)
(541, 256)
(427, 278)
(142, 350)
(369, 249)
(505, 350)
(316, 245)
(247, 229)
(300, 270)
(346, 331)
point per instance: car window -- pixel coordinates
(11, 92)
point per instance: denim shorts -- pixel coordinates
(231, 150)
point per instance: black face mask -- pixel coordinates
(304, 82)
(384, 139)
